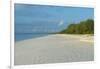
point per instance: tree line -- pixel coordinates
(84, 27)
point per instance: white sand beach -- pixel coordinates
(55, 48)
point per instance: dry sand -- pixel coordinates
(54, 49)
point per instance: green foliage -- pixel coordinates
(84, 27)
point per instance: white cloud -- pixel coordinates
(61, 23)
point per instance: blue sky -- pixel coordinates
(53, 18)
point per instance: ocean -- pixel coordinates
(29, 31)
(25, 36)
(25, 31)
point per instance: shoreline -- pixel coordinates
(84, 37)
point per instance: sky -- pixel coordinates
(45, 18)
